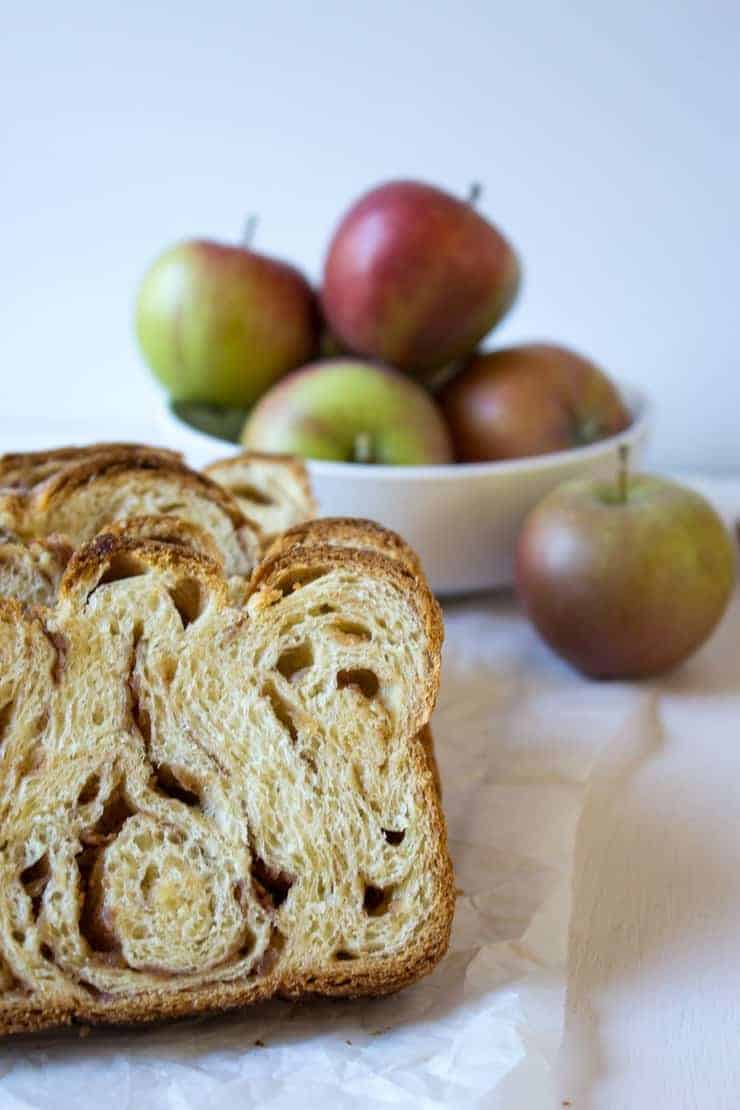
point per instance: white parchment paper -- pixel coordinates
(515, 736)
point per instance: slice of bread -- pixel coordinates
(273, 490)
(26, 469)
(205, 806)
(363, 535)
(88, 491)
(31, 572)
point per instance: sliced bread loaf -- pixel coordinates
(204, 806)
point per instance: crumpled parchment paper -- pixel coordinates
(515, 735)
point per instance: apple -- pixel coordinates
(624, 580)
(415, 277)
(219, 324)
(529, 400)
(349, 411)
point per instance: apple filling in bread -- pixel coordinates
(203, 805)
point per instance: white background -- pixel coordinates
(606, 136)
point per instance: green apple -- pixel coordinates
(219, 324)
(350, 411)
(626, 579)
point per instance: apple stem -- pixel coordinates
(623, 472)
(475, 192)
(363, 448)
(250, 226)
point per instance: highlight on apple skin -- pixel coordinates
(416, 277)
(219, 324)
(348, 410)
(530, 400)
(625, 580)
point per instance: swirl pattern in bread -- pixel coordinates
(203, 806)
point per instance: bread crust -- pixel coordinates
(22, 470)
(352, 532)
(114, 464)
(365, 976)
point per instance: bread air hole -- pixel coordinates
(321, 610)
(59, 643)
(92, 925)
(251, 493)
(187, 597)
(281, 709)
(271, 885)
(365, 681)
(31, 760)
(295, 661)
(301, 576)
(33, 879)
(343, 954)
(376, 900)
(90, 789)
(116, 813)
(350, 630)
(6, 716)
(394, 836)
(177, 784)
(271, 955)
(139, 714)
(121, 566)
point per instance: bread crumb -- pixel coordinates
(84, 1031)
(259, 1044)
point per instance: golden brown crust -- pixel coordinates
(348, 532)
(79, 474)
(88, 565)
(166, 530)
(25, 469)
(283, 575)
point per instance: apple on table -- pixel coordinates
(625, 579)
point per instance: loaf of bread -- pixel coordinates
(273, 490)
(203, 806)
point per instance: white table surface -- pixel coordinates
(653, 1015)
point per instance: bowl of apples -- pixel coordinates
(381, 384)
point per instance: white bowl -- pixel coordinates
(463, 519)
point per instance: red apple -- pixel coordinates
(350, 411)
(219, 324)
(624, 580)
(529, 400)
(415, 277)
